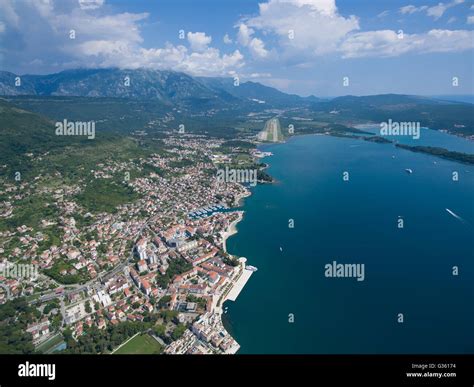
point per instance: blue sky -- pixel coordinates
(299, 46)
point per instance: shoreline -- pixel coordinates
(231, 230)
(233, 292)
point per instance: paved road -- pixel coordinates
(72, 289)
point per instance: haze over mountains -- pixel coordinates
(159, 91)
(170, 87)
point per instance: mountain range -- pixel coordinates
(169, 87)
(147, 94)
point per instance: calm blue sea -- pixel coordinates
(407, 270)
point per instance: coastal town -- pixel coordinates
(160, 260)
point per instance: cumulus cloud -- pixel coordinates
(257, 48)
(226, 39)
(255, 45)
(308, 29)
(209, 61)
(314, 26)
(102, 39)
(284, 32)
(198, 40)
(244, 33)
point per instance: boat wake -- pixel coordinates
(455, 215)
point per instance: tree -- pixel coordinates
(168, 315)
(178, 331)
(88, 307)
(163, 302)
(159, 330)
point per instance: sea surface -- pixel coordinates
(290, 306)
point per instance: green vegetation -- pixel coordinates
(96, 341)
(230, 260)
(178, 331)
(163, 302)
(378, 139)
(140, 344)
(168, 315)
(199, 300)
(52, 305)
(55, 273)
(434, 114)
(238, 144)
(111, 114)
(87, 307)
(176, 266)
(30, 211)
(25, 133)
(15, 315)
(441, 152)
(104, 195)
(181, 163)
(50, 344)
(159, 330)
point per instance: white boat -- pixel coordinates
(281, 249)
(251, 268)
(409, 170)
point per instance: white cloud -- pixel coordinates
(319, 29)
(244, 34)
(257, 48)
(8, 13)
(435, 11)
(260, 75)
(198, 40)
(255, 45)
(105, 39)
(438, 10)
(383, 14)
(91, 4)
(227, 39)
(325, 7)
(410, 9)
(387, 43)
(312, 26)
(207, 62)
(102, 40)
